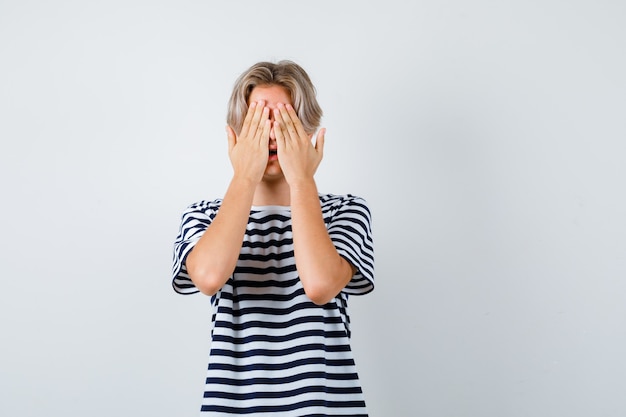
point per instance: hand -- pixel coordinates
(248, 151)
(297, 156)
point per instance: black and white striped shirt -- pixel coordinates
(273, 351)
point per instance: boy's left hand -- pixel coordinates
(298, 157)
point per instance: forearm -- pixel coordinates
(213, 259)
(322, 271)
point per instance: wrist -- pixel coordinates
(243, 186)
(244, 181)
(303, 185)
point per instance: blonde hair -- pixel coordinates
(286, 74)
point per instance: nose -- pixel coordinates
(272, 119)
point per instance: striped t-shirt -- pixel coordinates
(273, 351)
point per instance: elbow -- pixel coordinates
(208, 289)
(206, 282)
(318, 294)
(321, 287)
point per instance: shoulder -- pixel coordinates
(203, 210)
(204, 206)
(334, 202)
(344, 206)
(329, 200)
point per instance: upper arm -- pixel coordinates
(351, 232)
(194, 223)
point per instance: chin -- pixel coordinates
(273, 173)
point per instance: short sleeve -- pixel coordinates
(350, 229)
(194, 223)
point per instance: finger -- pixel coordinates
(260, 113)
(251, 122)
(288, 123)
(260, 123)
(264, 135)
(296, 121)
(280, 125)
(248, 119)
(280, 137)
(232, 138)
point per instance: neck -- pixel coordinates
(272, 193)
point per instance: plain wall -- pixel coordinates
(489, 138)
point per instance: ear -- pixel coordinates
(232, 138)
(319, 140)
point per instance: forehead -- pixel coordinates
(271, 94)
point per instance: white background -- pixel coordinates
(489, 138)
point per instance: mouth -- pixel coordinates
(273, 152)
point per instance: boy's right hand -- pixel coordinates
(248, 152)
